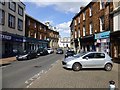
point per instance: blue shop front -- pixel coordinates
(103, 41)
(10, 44)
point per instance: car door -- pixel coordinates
(99, 59)
(88, 60)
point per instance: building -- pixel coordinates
(91, 27)
(12, 26)
(52, 36)
(35, 33)
(64, 42)
(39, 35)
(115, 34)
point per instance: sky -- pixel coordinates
(58, 12)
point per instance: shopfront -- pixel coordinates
(10, 43)
(103, 41)
(34, 44)
(115, 45)
(87, 43)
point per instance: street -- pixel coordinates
(18, 74)
(58, 77)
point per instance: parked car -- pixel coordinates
(42, 51)
(50, 50)
(59, 51)
(26, 55)
(89, 60)
(69, 53)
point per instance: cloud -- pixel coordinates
(61, 5)
(64, 28)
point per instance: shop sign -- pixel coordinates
(6, 37)
(102, 35)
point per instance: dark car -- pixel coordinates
(26, 55)
(59, 51)
(42, 51)
(69, 53)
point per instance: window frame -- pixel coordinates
(10, 22)
(3, 17)
(11, 8)
(19, 7)
(18, 24)
(102, 23)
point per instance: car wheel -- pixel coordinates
(76, 67)
(108, 67)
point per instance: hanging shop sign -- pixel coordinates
(102, 35)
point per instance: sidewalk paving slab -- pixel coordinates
(6, 61)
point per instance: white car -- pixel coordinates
(50, 50)
(89, 60)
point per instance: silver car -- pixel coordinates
(89, 60)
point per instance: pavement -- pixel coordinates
(58, 77)
(6, 61)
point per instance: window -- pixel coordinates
(20, 24)
(2, 17)
(84, 15)
(84, 32)
(78, 19)
(35, 25)
(99, 55)
(91, 55)
(11, 21)
(95, 55)
(90, 10)
(102, 5)
(28, 21)
(79, 33)
(35, 35)
(2, 2)
(20, 10)
(12, 6)
(91, 28)
(40, 27)
(75, 22)
(102, 26)
(40, 36)
(75, 34)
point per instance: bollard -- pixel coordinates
(111, 85)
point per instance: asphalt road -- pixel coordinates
(18, 74)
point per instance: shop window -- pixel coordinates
(2, 17)
(11, 21)
(20, 24)
(12, 6)
(20, 10)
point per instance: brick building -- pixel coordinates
(90, 28)
(12, 27)
(38, 35)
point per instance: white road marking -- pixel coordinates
(37, 76)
